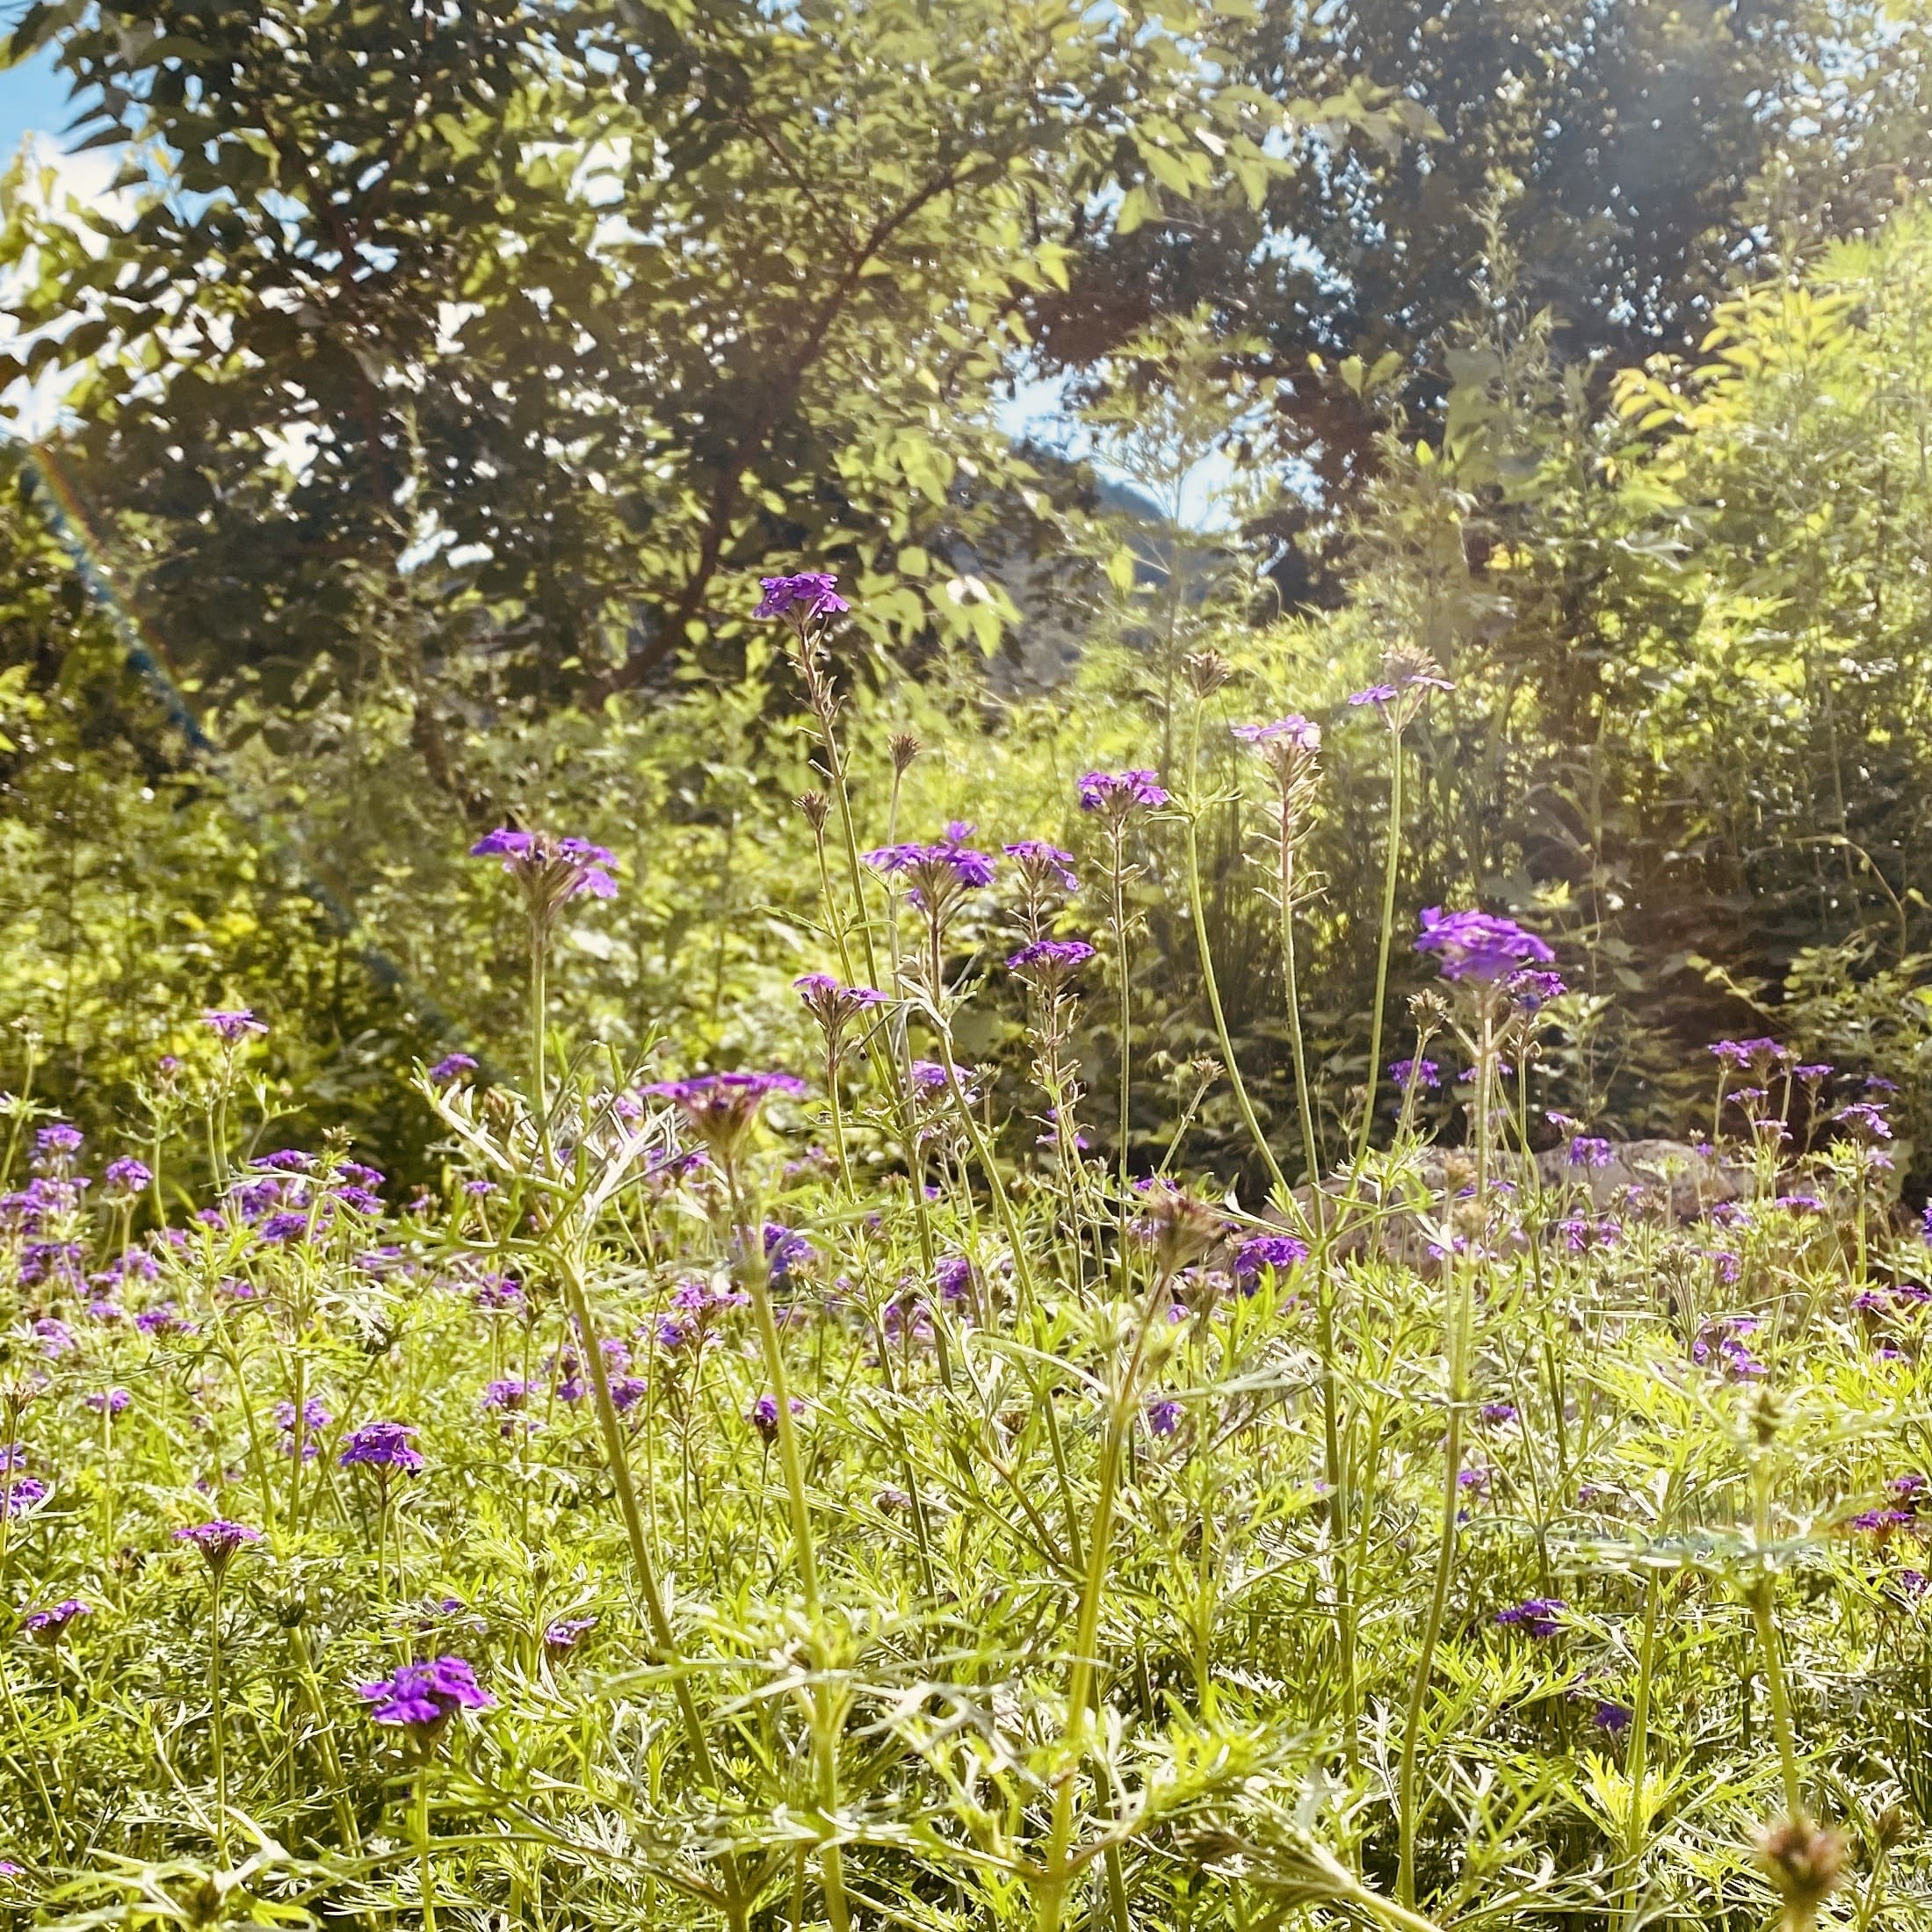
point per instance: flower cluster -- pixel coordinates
(1479, 947)
(425, 1696)
(549, 870)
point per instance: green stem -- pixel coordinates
(1762, 1614)
(1126, 1006)
(426, 1880)
(1384, 944)
(663, 1638)
(1458, 1311)
(824, 1708)
(1636, 1770)
(1080, 1679)
(1235, 1082)
(217, 1719)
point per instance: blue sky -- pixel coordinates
(32, 101)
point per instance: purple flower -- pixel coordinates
(381, 1445)
(1293, 730)
(1531, 988)
(126, 1175)
(1043, 867)
(722, 1107)
(453, 1067)
(835, 1007)
(316, 1416)
(1265, 1254)
(279, 1229)
(786, 1251)
(109, 1402)
(566, 1633)
(1863, 1117)
(1480, 947)
(954, 1276)
(1539, 1615)
(48, 1625)
(506, 1393)
(1612, 1716)
(59, 1139)
(808, 594)
(1119, 794)
(938, 872)
(1424, 1073)
(161, 1319)
(1882, 1523)
(1163, 1417)
(425, 1696)
(232, 1024)
(20, 1494)
(1761, 1054)
(1499, 1412)
(285, 1160)
(548, 869)
(1588, 1152)
(763, 1414)
(1814, 1073)
(1051, 963)
(219, 1540)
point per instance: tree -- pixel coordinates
(1642, 153)
(482, 353)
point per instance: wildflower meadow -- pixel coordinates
(827, 1494)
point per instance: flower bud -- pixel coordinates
(1805, 1862)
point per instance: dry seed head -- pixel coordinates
(905, 749)
(1805, 1862)
(1207, 671)
(814, 806)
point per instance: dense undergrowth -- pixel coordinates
(838, 1497)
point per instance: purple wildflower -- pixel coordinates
(506, 1393)
(763, 1414)
(549, 870)
(1043, 867)
(567, 1633)
(1423, 1072)
(232, 1025)
(1051, 963)
(787, 1251)
(1586, 1151)
(219, 1540)
(1119, 794)
(938, 872)
(1538, 1616)
(381, 1445)
(1266, 1254)
(453, 1067)
(1498, 1412)
(722, 1107)
(1479, 946)
(126, 1175)
(109, 1402)
(1612, 1716)
(954, 1276)
(1866, 1118)
(58, 1140)
(1163, 1417)
(835, 1007)
(806, 594)
(425, 1696)
(50, 1626)
(20, 1494)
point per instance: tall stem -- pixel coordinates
(1458, 1308)
(1384, 942)
(664, 1639)
(824, 1709)
(539, 1077)
(1126, 1000)
(1764, 1616)
(1235, 1082)
(217, 1719)
(424, 1880)
(1080, 1672)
